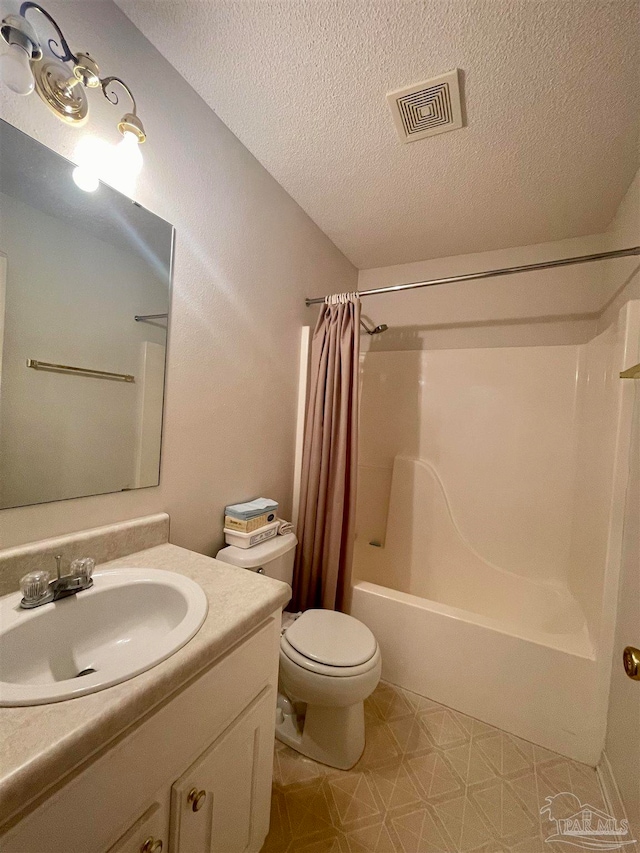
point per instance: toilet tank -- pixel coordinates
(273, 558)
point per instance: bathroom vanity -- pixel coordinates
(178, 758)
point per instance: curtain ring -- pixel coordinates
(342, 298)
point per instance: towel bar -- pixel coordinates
(85, 371)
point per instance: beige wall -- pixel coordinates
(543, 308)
(245, 257)
(622, 276)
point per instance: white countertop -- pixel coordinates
(42, 743)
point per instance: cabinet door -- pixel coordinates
(221, 804)
(148, 834)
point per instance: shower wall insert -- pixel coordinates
(492, 482)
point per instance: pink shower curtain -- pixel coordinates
(322, 575)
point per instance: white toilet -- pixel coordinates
(329, 664)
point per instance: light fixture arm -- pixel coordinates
(68, 54)
(129, 123)
(112, 96)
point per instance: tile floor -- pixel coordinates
(430, 780)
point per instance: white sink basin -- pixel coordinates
(127, 622)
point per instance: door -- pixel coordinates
(222, 803)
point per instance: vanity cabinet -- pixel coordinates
(219, 804)
(193, 776)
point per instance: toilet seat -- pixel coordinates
(330, 643)
(326, 669)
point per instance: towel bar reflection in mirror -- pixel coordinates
(84, 371)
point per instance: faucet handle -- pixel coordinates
(83, 569)
(34, 588)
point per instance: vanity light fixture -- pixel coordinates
(61, 80)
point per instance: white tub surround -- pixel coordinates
(434, 560)
(491, 501)
(45, 747)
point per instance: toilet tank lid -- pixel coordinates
(331, 637)
(259, 555)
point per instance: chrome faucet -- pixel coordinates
(37, 587)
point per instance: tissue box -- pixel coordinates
(248, 540)
(250, 524)
(251, 509)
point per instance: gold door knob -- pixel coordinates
(631, 660)
(196, 799)
(151, 845)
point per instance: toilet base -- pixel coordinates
(333, 736)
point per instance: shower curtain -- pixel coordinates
(322, 575)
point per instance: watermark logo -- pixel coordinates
(581, 825)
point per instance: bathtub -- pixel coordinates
(491, 494)
(510, 650)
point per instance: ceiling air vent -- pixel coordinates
(427, 108)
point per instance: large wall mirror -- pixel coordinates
(82, 362)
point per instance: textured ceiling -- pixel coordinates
(552, 90)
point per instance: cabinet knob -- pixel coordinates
(631, 660)
(196, 799)
(151, 845)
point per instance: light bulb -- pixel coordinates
(128, 157)
(15, 70)
(91, 154)
(86, 179)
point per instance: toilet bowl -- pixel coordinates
(329, 664)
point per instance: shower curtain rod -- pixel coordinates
(474, 276)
